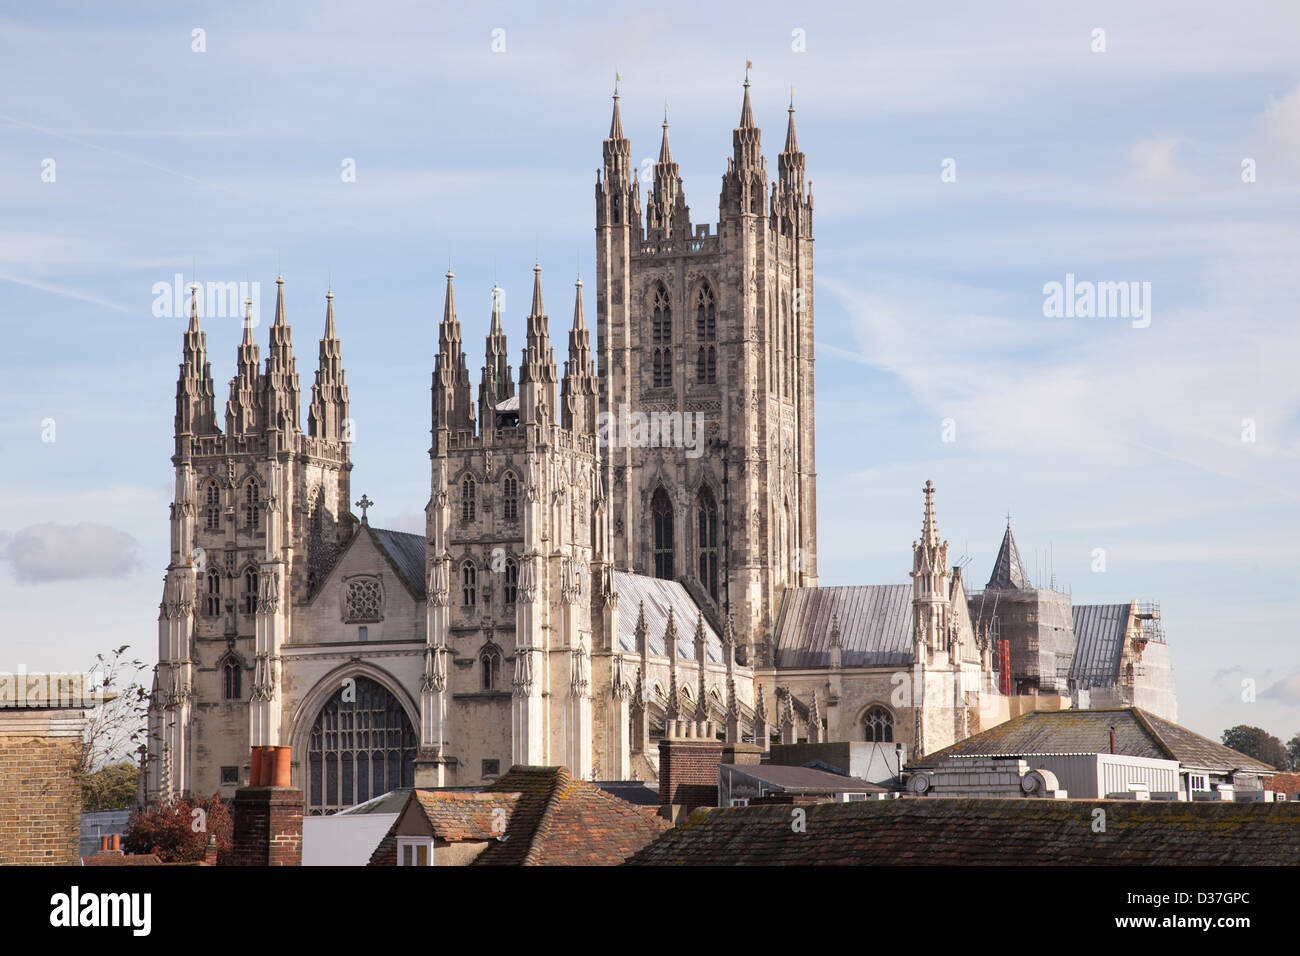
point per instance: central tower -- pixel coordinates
(713, 327)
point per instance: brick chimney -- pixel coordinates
(268, 813)
(688, 775)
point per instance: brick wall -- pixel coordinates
(268, 826)
(688, 772)
(40, 795)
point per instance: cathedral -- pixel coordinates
(578, 593)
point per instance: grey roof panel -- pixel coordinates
(1099, 631)
(875, 623)
(406, 552)
(1008, 572)
(804, 779)
(658, 595)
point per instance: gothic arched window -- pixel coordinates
(361, 745)
(212, 507)
(661, 338)
(706, 543)
(468, 499)
(490, 661)
(878, 725)
(232, 680)
(706, 365)
(510, 592)
(661, 513)
(250, 591)
(252, 506)
(212, 599)
(510, 497)
(706, 315)
(468, 584)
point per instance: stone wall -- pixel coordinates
(40, 795)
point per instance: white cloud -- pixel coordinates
(54, 552)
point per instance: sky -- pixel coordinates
(961, 160)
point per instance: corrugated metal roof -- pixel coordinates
(804, 779)
(1099, 631)
(875, 626)
(658, 595)
(406, 551)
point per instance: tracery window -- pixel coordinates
(363, 600)
(878, 724)
(707, 541)
(661, 338)
(232, 679)
(249, 597)
(706, 365)
(359, 748)
(252, 506)
(510, 592)
(661, 513)
(468, 584)
(212, 599)
(706, 315)
(510, 497)
(212, 507)
(468, 499)
(490, 661)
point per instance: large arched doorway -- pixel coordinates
(361, 746)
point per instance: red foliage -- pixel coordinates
(179, 834)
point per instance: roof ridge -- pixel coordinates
(560, 778)
(1141, 717)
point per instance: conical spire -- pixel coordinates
(929, 531)
(745, 182)
(538, 309)
(746, 111)
(795, 206)
(791, 140)
(244, 410)
(248, 325)
(616, 121)
(1008, 573)
(328, 413)
(279, 301)
(667, 215)
(537, 373)
(195, 398)
(665, 151)
(283, 398)
(452, 404)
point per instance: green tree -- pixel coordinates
(1258, 743)
(112, 788)
(1293, 751)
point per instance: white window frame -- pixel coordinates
(1192, 779)
(739, 801)
(408, 848)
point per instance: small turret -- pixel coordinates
(195, 398)
(453, 407)
(328, 414)
(282, 396)
(578, 391)
(244, 410)
(537, 373)
(667, 215)
(497, 383)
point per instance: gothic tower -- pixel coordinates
(257, 509)
(712, 327)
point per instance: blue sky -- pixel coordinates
(1122, 165)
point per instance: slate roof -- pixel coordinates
(1137, 734)
(406, 554)
(875, 626)
(805, 779)
(1008, 572)
(658, 595)
(1099, 631)
(963, 832)
(561, 821)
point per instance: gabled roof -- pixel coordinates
(558, 821)
(405, 552)
(1008, 572)
(1137, 734)
(454, 816)
(1099, 631)
(962, 832)
(875, 622)
(658, 595)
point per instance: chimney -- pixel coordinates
(688, 775)
(1112, 738)
(268, 812)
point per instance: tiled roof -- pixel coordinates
(558, 821)
(1099, 631)
(950, 831)
(457, 816)
(875, 626)
(1137, 734)
(406, 554)
(657, 595)
(1288, 783)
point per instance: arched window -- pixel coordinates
(212, 507)
(661, 338)
(661, 512)
(511, 589)
(490, 661)
(468, 499)
(510, 497)
(706, 365)
(706, 315)
(232, 680)
(706, 542)
(212, 599)
(468, 584)
(250, 591)
(361, 745)
(878, 725)
(252, 506)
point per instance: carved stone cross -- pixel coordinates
(363, 504)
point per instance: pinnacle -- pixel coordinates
(279, 301)
(538, 309)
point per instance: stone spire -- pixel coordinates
(667, 216)
(537, 373)
(930, 576)
(453, 407)
(497, 383)
(282, 396)
(578, 391)
(195, 398)
(1008, 573)
(791, 161)
(328, 413)
(244, 410)
(747, 139)
(744, 185)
